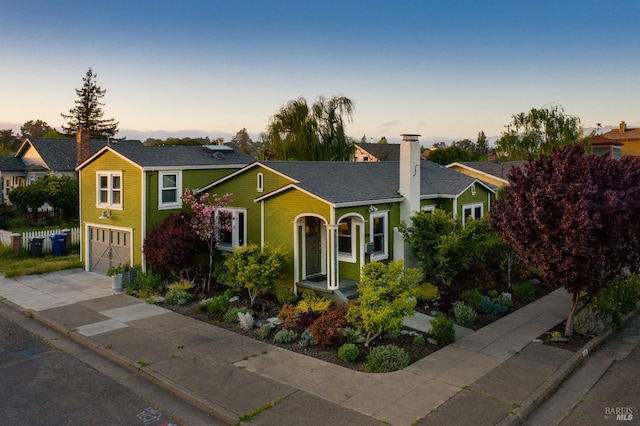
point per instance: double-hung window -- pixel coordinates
(471, 211)
(169, 190)
(379, 235)
(232, 228)
(346, 240)
(109, 189)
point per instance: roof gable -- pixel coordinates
(381, 151)
(58, 154)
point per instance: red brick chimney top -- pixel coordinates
(83, 145)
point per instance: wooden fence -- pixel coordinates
(26, 237)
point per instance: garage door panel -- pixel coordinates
(108, 248)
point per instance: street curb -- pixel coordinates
(186, 395)
(561, 374)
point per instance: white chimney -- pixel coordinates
(409, 176)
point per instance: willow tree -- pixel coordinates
(299, 131)
(537, 132)
(87, 112)
(575, 218)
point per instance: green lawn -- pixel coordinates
(15, 264)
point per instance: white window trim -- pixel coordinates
(471, 206)
(110, 174)
(178, 203)
(235, 243)
(385, 254)
(260, 182)
(348, 257)
(473, 189)
(429, 208)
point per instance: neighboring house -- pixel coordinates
(629, 138)
(602, 145)
(37, 157)
(373, 152)
(491, 172)
(12, 175)
(126, 188)
(333, 217)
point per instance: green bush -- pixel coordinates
(427, 292)
(442, 330)
(285, 336)
(352, 335)
(306, 339)
(264, 330)
(524, 292)
(218, 305)
(589, 322)
(286, 296)
(177, 297)
(146, 284)
(491, 307)
(620, 297)
(464, 314)
(419, 340)
(348, 352)
(231, 316)
(472, 297)
(387, 358)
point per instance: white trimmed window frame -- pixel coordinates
(113, 189)
(384, 253)
(473, 209)
(428, 209)
(348, 256)
(177, 204)
(260, 182)
(238, 229)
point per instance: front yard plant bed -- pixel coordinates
(270, 307)
(416, 344)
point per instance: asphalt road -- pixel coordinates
(46, 379)
(604, 390)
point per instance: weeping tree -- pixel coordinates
(575, 218)
(538, 131)
(299, 131)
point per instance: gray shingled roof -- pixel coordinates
(353, 182)
(11, 164)
(177, 155)
(60, 154)
(497, 169)
(382, 151)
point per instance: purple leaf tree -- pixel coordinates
(576, 218)
(208, 219)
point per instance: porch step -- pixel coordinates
(350, 292)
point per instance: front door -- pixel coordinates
(313, 245)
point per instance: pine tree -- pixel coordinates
(87, 111)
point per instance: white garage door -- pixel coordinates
(108, 248)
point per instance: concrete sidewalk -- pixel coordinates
(486, 377)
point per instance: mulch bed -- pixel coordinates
(328, 353)
(269, 307)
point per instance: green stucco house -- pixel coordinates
(127, 187)
(333, 217)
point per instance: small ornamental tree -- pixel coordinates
(385, 294)
(172, 244)
(576, 218)
(254, 269)
(208, 219)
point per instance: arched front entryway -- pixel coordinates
(310, 248)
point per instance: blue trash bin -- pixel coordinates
(58, 244)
